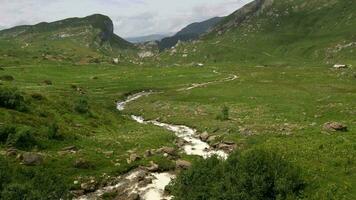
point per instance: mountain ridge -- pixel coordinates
(190, 32)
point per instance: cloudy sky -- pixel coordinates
(131, 17)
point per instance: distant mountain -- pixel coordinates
(147, 38)
(190, 32)
(90, 36)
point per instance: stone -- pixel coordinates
(89, 186)
(141, 175)
(134, 196)
(335, 126)
(153, 168)
(226, 147)
(211, 139)
(70, 148)
(204, 136)
(180, 142)
(11, 152)
(78, 193)
(145, 54)
(340, 66)
(148, 153)
(169, 150)
(109, 153)
(32, 159)
(133, 157)
(183, 164)
(115, 60)
(82, 164)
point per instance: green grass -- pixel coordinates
(285, 92)
(284, 108)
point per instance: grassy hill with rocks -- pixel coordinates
(88, 39)
(279, 32)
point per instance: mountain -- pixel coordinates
(147, 38)
(279, 31)
(72, 38)
(190, 32)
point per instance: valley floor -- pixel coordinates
(282, 108)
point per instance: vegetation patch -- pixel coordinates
(11, 98)
(255, 174)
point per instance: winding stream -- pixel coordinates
(193, 146)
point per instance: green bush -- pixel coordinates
(224, 115)
(53, 132)
(82, 106)
(253, 175)
(19, 191)
(5, 131)
(33, 184)
(23, 138)
(12, 99)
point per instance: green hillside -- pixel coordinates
(86, 39)
(280, 32)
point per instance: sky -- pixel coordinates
(131, 18)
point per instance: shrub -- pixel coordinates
(12, 99)
(224, 115)
(19, 191)
(30, 183)
(253, 175)
(81, 106)
(5, 131)
(23, 138)
(53, 132)
(7, 78)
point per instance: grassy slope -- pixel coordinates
(288, 33)
(107, 129)
(70, 40)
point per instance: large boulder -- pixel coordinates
(32, 159)
(183, 164)
(335, 126)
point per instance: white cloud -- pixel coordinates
(130, 17)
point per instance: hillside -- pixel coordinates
(276, 31)
(190, 32)
(73, 39)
